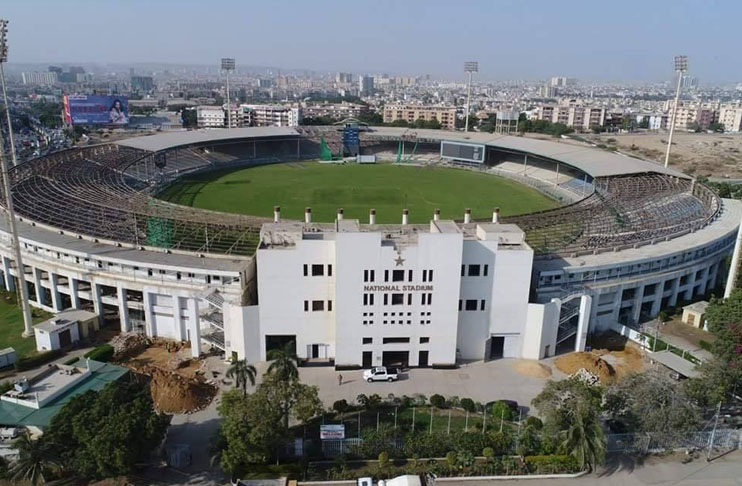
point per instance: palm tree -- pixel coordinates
(584, 438)
(242, 372)
(34, 461)
(285, 364)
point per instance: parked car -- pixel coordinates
(381, 373)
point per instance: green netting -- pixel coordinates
(324, 152)
(160, 232)
(399, 152)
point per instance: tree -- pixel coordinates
(340, 406)
(189, 117)
(242, 372)
(501, 410)
(584, 438)
(468, 405)
(438, 401)
(717, 127)
(104, 434)
(285, 365)
(649, 402)
(36, 461)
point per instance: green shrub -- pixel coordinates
(102, 353)
(552, 464)
(29, 362)
(705, 345)
(5, 386)
(488, 452)
(469, 405)
(340, 406)
(451, 459)
(501, 442)
(438, 401)
(375, 442)
(501, 410)
(72, 361)
(534, 422)
(383, 459)
(421, 444)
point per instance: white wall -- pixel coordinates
(542, 325)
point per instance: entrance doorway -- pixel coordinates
(422, 359)
(279, 342)
(496, 347)
(367, 359)
(399, 359)
(317, 351)
(65, 338)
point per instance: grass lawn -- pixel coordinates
(356, 188)
(11, 326)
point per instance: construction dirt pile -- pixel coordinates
(532, 368)
(172, 393)
(573, 362)
(128, 344)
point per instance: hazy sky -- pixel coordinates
(529, 39)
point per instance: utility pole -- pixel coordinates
(470, 67)
(22, 293)
(713, 432)
(681, 66)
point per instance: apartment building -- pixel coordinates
(576, 116)
(446, 115)
(335, 110)
(210, 116)
(41, 79)
(731, 118)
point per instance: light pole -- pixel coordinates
(12, 225)
(227, 66)
(470, 67)
(681, 66)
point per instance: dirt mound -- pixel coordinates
(572, 362)
(532, 368)
(129, 344)
(172, 393)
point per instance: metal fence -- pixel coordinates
(655, 442)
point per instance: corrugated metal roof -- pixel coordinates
(168, 140)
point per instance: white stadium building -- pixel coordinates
(631, 238)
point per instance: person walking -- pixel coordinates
(340, 380)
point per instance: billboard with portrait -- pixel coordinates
(96, 110)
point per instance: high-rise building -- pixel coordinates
(365, 85)
(142, 83)
(344, 78)
(559, 81)
(41, 79)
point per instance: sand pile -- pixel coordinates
(532, 368)
(572, 362)
(128, 344)
(172, 393)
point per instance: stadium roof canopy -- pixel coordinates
(584, 157)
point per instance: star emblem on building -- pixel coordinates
(399, 260)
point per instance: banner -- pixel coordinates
(96, 109)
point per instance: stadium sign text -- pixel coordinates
(397, 288)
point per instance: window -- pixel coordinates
(424, 340)
(306, 270)
(386, 275)
(430, 275)
(409, 299)
(318, 270)
(460, 304)
(484, 272)
(386, 299)
(368, 299)
(373, 275)
(395, 340)
(462, 270)
(409, 275)
(422, 299)
(481, 305)
(329, 271)
(425, 275)
(318, 305)
(474, 270)
(471, 305)
(397, 275)
(306, 306)
(365, 299)
(368, 340)
(329, 305)
(397, 299)
(430, 300)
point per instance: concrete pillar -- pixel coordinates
(307, 215)
(674, 294)
(657, 303)
(372, 216)
(405, 216)
(9, 282)
(436, 214)
(178, 317)
(95, 294)
(276, 214)
(194, 327)
(467, 216)
(637, 309)
(39, 289)
(123, 309)
(54, 288)
(496, 215)
(340, 214)
(583, 322)
(704, 280)
(150, 325)
(74, 297)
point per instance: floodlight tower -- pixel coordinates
(681, 66)
(227, 66)
(12, 225)
(470, 67)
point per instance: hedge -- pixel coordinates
(102, 353)
(29, 362)
(552, 464)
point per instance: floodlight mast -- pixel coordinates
(12, 225)
(681, 66)
(227, 66)
(470, 67)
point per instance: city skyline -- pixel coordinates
(510, 40)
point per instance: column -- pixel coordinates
(178, 317)
(56, 300)
(194, 327)
(95, 294)
(39, 289)
(674, 293)
(149, 315)
(704, 280)
(637, 309)
(9, 282)
(74, 297)
(583, 322)
(123, 309)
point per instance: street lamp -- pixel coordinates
(681, 66)
(470, 67)
(227, 66)
(12, 225)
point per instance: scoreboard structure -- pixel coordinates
(472, 153)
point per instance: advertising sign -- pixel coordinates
(96, 109)
(332, 431)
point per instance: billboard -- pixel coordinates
(96, 110)
(332, 431)
(469, 152)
